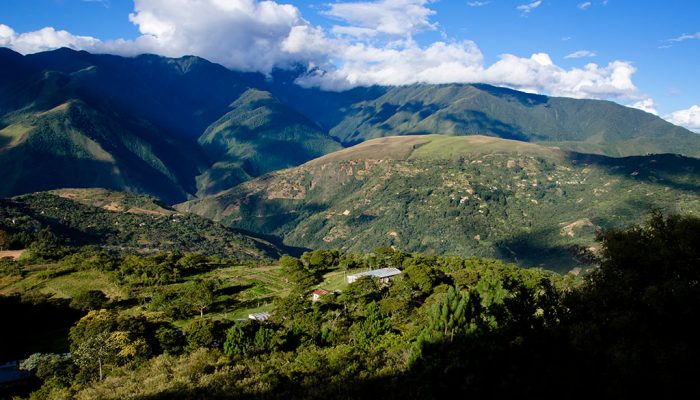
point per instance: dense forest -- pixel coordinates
(165, 326)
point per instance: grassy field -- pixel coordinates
(243, 290)
(61, 283)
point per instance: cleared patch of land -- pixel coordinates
(13, 254)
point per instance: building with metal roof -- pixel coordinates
(383, 274)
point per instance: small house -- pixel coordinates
(384, 275)
(318, 293)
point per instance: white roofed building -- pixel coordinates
(384, 274)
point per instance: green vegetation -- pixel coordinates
(118, 221)
(261, 135)
(445, 326)
(520, 202)
(590, 126)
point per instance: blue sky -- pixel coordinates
(386, 41)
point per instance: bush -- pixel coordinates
(89, 300)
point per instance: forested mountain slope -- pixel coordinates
(471, 195)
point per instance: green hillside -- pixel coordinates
(591, 126)
(258, 135)
(121, 221)
(458, 195)
(74, 145)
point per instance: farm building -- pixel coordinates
(318, 293)
(384, 275)
(261, 316)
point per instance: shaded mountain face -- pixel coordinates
(80, 120)
(74, 145)
(125, 221)
(259, 135)
(476, 195)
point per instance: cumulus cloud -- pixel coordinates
(646, 105)
(688, 118)
(581, 54)
(253, 35)
(585, 5)
(527, 8)
(391, 17)
(444, 62)
(246, 35)
(43, 39)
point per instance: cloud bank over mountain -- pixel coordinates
(372, 43)
(689, 118)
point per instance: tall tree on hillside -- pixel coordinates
(200, 296)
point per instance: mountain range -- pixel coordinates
(180, 128)
(499, 172)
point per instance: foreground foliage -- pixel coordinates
(445, 326)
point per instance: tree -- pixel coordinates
(372, 326)
(202, 332)
(104, 337)
(109, 347)
(192, 263)
(46, 366)
(635, 315)
(423, 276)
(297, 273)
(200, 295)
(249, 338)
(361, 292)
(457, 314)
(170, 339)
(89, 300)
(95, 352)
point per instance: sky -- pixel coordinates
(643, 54)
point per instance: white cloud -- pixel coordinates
(646, 105)
(688, 118)
(527, 8)
(43, 39)
(585, 5)
(246, 35)
(255, 35)
(441, 62)
(684, 37)
(477, 3)
(390, 17)
(581, 54)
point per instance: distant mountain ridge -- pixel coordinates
(591, 126)
(184, 128)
